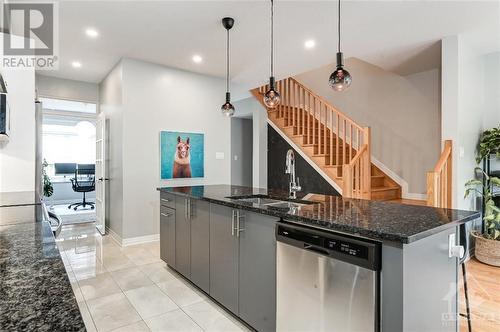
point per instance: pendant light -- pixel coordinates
(272, 98)
(340, 79)
(228, 108)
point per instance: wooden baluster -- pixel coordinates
(344, 149)
(313, 110)
(358, 145)
(325, 129)
(331, 135)
(350, 141)
(320, 130)
(337, 142)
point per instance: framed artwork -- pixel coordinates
(182, 155)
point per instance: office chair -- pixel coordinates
(83, 182)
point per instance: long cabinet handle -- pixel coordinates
(165, 200)
(238, 219)
(232, 222)
(189, 209)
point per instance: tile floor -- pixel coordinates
(131, 289)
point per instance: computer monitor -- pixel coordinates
(64, 168)
(86, 169)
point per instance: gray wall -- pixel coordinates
(403, 113)
(241, 151)
(59, 88)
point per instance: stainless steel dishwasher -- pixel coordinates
(326, 281)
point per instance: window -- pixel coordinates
(68, 106)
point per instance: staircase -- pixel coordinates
(331, 140)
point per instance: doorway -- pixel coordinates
(69, 159)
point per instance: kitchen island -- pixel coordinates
(223, 239)
(35, 292)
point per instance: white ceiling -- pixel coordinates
(395, 35)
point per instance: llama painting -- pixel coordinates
(181, 155)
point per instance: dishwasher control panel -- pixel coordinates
(363, 252)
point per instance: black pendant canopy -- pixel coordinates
(272, 98)
(228, 108)
(340, 79)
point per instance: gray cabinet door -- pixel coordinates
(200, 244)
(257, 274)
(223, 258)
(167, 235)
(182, 237)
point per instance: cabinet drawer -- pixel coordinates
(167, 235)
(167, 199)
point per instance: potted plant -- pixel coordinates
(489, 144)
(487, 244)
(48, 189)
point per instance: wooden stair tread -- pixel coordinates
(385, 188)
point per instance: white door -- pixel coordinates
(100, 174)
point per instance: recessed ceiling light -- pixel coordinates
(197, 59)
(76, 64)
(309, 44)
(91, 32)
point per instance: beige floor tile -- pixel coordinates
(140, 255)
(87, 318)
(99, 286)
(117, 262)
(136, 327)
(210, 318)
(131, 278)
(85, 272)
(179, 292)
(77, 291)
(174, 321)
(111, 312)
(158, 272)
(150, 301)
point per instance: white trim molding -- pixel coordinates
(306, 157)
(131, 240)
(399, 180)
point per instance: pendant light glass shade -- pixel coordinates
(340, 79)
(272, 97)
(227, 108)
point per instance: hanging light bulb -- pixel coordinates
(228, 108)
(340, 79)
(272, 97)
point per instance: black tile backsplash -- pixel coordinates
(310, 180)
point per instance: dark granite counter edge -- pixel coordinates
(350, 230)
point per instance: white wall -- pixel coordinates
(156, 98)
(17, 157)
(111, 103)
(59, 88)
(471, 105)
(403, 113)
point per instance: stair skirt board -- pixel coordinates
(305, 156)
(399, 180)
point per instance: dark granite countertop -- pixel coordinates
(382, 221)
(35, 292)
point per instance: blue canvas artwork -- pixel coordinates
(182, 155)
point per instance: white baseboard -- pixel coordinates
(306, 157)
(140, 240)
(131, 240)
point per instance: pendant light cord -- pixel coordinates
(272, 38)
(339, 28)
(227, 63)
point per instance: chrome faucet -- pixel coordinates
(290, 169)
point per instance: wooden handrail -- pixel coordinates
(344, 144)
(439, 181)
